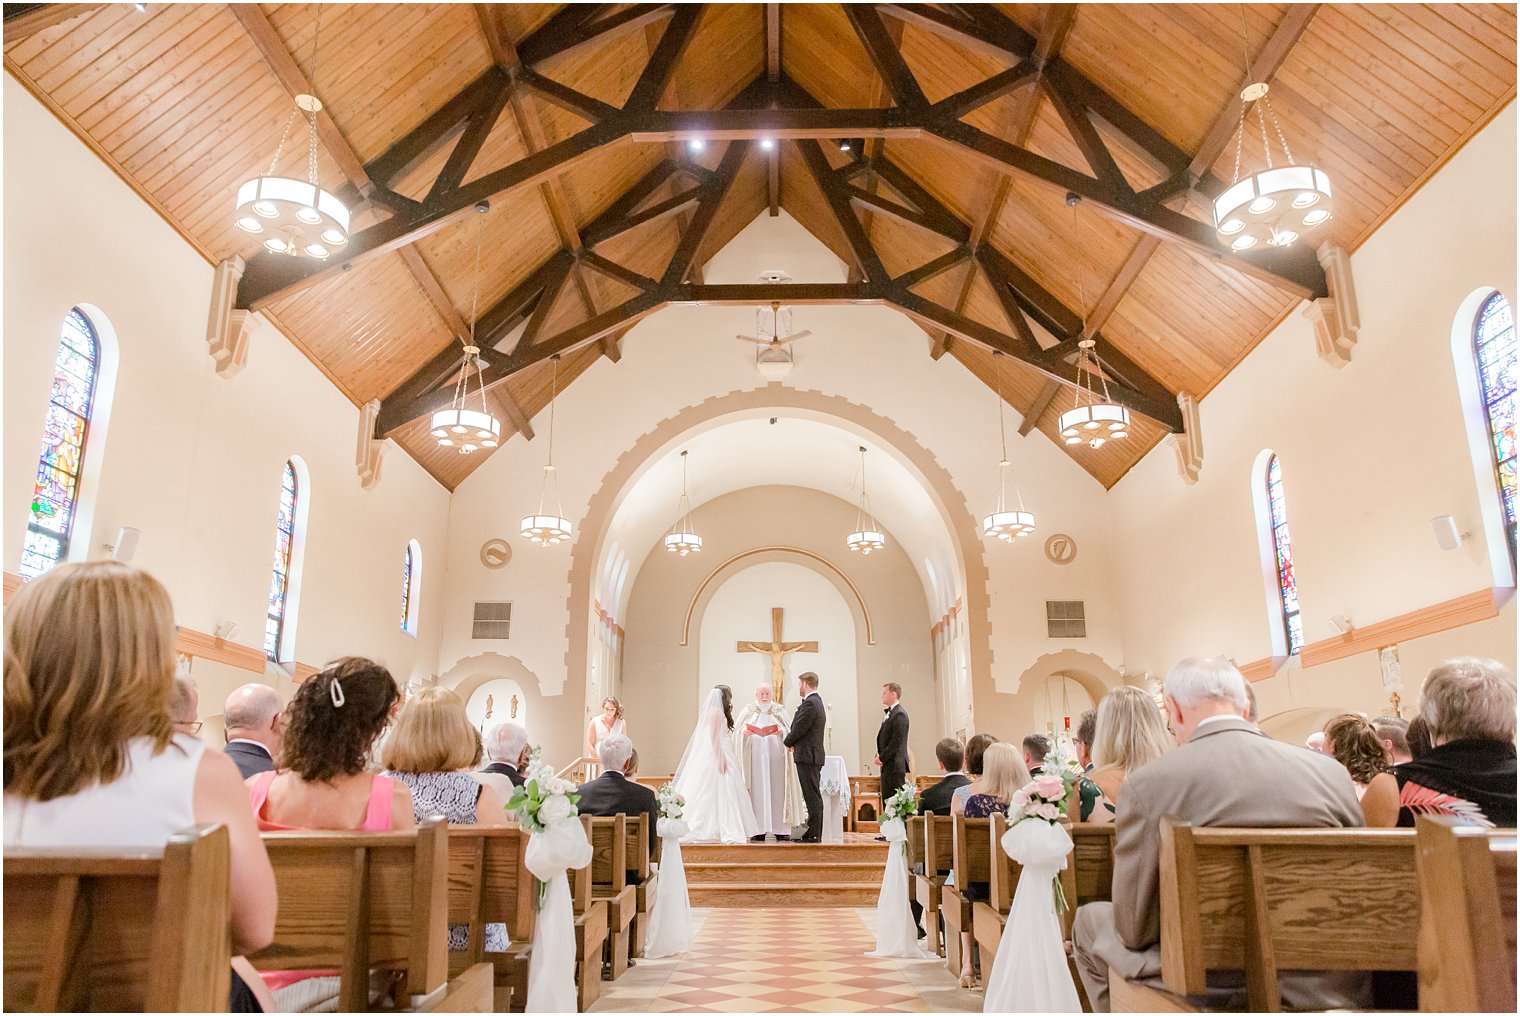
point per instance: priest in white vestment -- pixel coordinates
(773, 788)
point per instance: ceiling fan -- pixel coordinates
(773, 328)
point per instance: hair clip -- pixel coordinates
(336, 690)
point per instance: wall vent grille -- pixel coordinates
(1066, 619)
(492, 621)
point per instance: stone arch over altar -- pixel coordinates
(954, 570)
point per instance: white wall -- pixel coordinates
(741, 611)
(1370, 453)
(191, 459)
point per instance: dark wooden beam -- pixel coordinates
(978, 95)
(662, 63)
(439, 128)
(605, 229)
(613, 270)
(682, 261)
(25, 20)
(885, 55)
(1037, 408)
(773, 76)
(566, 98)
(958, 232)
(1082, 131)
(577, 24)
(933, 269)
(482, 121)
(867, 261)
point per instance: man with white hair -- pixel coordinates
(254, 722)
(1224, 772)
(506, 747)
(613, 793)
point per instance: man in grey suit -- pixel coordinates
(1225, 772)
(806, 741)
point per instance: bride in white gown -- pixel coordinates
(711, 779)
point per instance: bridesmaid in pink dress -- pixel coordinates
(323, 783)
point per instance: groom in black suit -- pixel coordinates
(806, 742)
(892, 742)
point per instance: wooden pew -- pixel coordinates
(489, 882)
(973, 863)
(1264, 900)
(590, 933)
(935, 847)
(989, 918)
(1092, 864)
(646, 879)
(1467, 916)
(609, 882)
(358, 901)
(133, 930)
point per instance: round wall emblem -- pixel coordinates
(495, 554)
(1060, 549)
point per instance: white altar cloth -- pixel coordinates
(834, 782)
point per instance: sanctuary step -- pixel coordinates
(784, 874)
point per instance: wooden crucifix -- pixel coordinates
(776, 649)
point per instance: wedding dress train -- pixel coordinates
(712, 781)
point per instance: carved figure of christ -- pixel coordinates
(776, 650)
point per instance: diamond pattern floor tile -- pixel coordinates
(776, 960)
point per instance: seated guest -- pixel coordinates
(1394, 733)
(1352, 741)
(1082, 740)
(322, 783)
(185, 707)
(1036, 747)
(1224, 772)
(432, 750)
(92, 758)
(1469, 705)
(1130, 733)
(936, 798)
(1418, 736)
(976, 748)
(613, 793)
(507, 749)
(254, 722)
(1003, 772)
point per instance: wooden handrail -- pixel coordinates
(578, 766)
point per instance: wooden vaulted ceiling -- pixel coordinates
(1134, 102)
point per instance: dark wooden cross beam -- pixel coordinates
(640, 120)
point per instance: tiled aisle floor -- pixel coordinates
(803, 960)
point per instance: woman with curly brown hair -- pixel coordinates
(322, 783)
(1355, 744)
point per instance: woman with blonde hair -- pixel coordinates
(91, 756)
(1003, 772)
(433, 749)
(1131, 731)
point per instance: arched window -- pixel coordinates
(279, 583)
(1495, 350)
(411, 587)
(55, 497)
(1287, 581)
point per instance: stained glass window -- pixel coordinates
(406, 590)
(1287, 580)
(55, 496)
(279, 583)
(1494, 345)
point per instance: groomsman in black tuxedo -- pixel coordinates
(892, 742)
(806, 741)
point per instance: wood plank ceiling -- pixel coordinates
(185, 101)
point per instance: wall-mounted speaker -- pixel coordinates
(1448, 536)
(126, 543)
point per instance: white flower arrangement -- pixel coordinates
(544, 800)
(1047, 796)
(672, 804)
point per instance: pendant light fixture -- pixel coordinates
(295, 217)
(1090, 418)
(542, 527)
(1005, 523)
(682, 538)
(460, 426)
(868, 535)
(1272, 207)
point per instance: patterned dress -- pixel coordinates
(454, 796)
